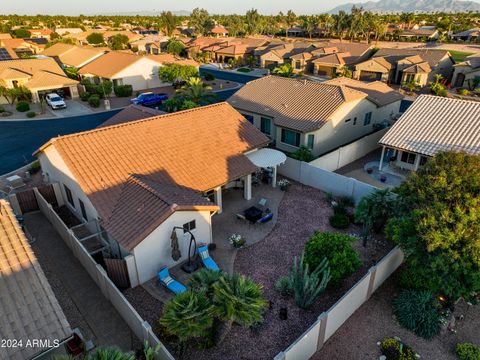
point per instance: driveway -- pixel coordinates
(74, 108)
(79, 296)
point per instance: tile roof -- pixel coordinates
(131, 113)
(198, 149)
(333, 59)
(110, 64)
(5, 36)
(300, 105)
(72, 55)
(432, 56)
(28, 307)
(46, 79)
(434, 123)
(378, 92)
(376, 63)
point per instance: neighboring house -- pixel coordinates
(467, 73)
(431, 124)
(7, 54)
(132, 113)
(468, 35)
(295, 31)
(40, 76)
(22, 47)
(141, 179)
(5, 36)
(219, 31)
(151, 44)
(81, 38)
(222, 50)
(125, 69)
(29, 310)
(40, 33)
(428, 33)
(320, 116)
(73, 56)
(396, 66)
(64, 31)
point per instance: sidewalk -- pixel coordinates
(80, 298)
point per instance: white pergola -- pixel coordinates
(268, 158)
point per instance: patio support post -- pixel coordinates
(217, 193)
(247, 187)
(417, 162)
(380, 167)
(274, 176)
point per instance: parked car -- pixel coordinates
(149, 99)
(55, 101)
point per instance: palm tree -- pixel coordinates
(238, 300)
(411, 85)
(108, 353)
(285, 70)
(187, 316)
(196, 91)
(341, 23)
(344, 72)
(309, 24)
(290, 19)
(204, 280)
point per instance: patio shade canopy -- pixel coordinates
(265, 158)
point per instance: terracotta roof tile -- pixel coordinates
(131, 113)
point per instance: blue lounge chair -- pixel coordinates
(170, 283)
(206, 259)
(265, 218)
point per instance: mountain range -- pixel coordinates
(397, 6)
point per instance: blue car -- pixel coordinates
(149, 99)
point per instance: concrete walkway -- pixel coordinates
(78, 295)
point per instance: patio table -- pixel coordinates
(253, 213)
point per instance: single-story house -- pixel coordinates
(219, 31)
(71, 55)
(320, 116)
(295, 31)
(40, 76)
(150, 44)
(7, 54)
(5, 36)
(22, 47)
(41, 33)
(467, 35)
(141, 179)
(30, 314)
(431, 124)
(131, 113)
(64, 31)
(125, 69)
(467, 73)
(374, 69)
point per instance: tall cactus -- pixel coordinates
(308, 285)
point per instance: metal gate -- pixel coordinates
(27, 201)
(117, 272)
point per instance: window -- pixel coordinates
(117, 82)
(355, 120)
(298, 64)
(190, 226)
(310, 141)
(82, 208)
(291, 137)
(266, 125)
(368, 119)
(248, 117)
(69, 195)
(408, 157)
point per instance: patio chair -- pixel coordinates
(170, 283)
(265, 218)
(262, 202)
(206, 259)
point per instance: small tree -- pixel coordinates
(303, 154)
(285, 70)
(22, 33)
(411, 85)
(175, 72)
(344, 72)
(118, 42)
(175, 47)
(95, 38)
(195, 90)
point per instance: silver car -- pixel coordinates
(55, 101)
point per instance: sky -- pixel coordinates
(89, 7)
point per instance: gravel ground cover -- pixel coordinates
(302, 211)
(374, 321)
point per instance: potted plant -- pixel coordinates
(383, 178)
(237, 241)
(283, 184)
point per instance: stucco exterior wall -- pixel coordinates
(155, 251)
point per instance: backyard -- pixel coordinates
(302, 211)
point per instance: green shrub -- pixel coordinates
(303, 284)
(244, 70)
(417, 311)
(31, 114)
(209, 77)
(463, 92)
(443, 92)
(2, 109)
(395, 350)
(94, 101)
(85, 96)
(339, 221)
(35, 167)
(123, 90)
(303, 154)
(23, 106)
(477, 91)
(283, 286)
(410, 279)
(337, 248)
(468, 351)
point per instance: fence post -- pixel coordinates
(14, 204)
(146, 328)
(321, 332)
(372, 272)
(58, 194)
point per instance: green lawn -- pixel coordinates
(244, 70)
(459, 56)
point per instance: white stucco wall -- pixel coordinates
(155, 252)
(141, 75)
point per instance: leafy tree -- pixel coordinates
(437, 224)
(411, 85)
(168, 22)
(285, 70)
(175, 47)
(118, 42)
(303, 154)
(22, 33)
(344, 71)
(175, 72)
(201, 21)
(252, 22)
(63, 40)
(238, 300)
(187, 316)
(20, 93)
(195, 90)
(309, 23)
(373, 211)
(95, 38)
(290, 19)
(437, 86)
(236, 25)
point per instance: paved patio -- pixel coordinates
(227, 223)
